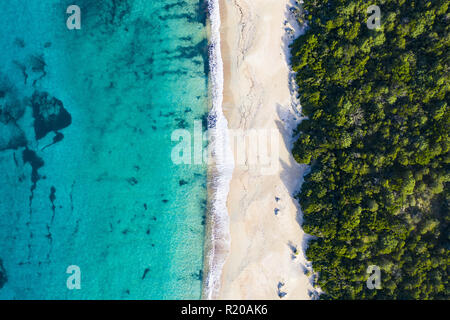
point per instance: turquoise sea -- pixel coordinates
(86, 118)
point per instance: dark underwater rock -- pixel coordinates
(37, 63)
(146, 271)
(57, 138)
(49, 114)
(29, 156)
(198, 276)
(132, 181)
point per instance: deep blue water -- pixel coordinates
(85, 143)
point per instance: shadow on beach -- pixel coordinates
(290, 117)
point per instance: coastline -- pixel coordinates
(217, 238)
(266, 258)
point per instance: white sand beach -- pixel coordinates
(261, 263)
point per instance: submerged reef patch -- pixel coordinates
(49, 114)
(29, 156)
(11, 110)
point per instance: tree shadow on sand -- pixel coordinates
(292, 184)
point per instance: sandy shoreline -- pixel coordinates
(261, 263)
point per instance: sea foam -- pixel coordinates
(219, 229)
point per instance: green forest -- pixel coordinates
(376, 137)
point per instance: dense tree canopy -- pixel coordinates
(377, 139)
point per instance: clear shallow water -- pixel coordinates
(106, 197)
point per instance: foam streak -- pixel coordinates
(224, 163)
